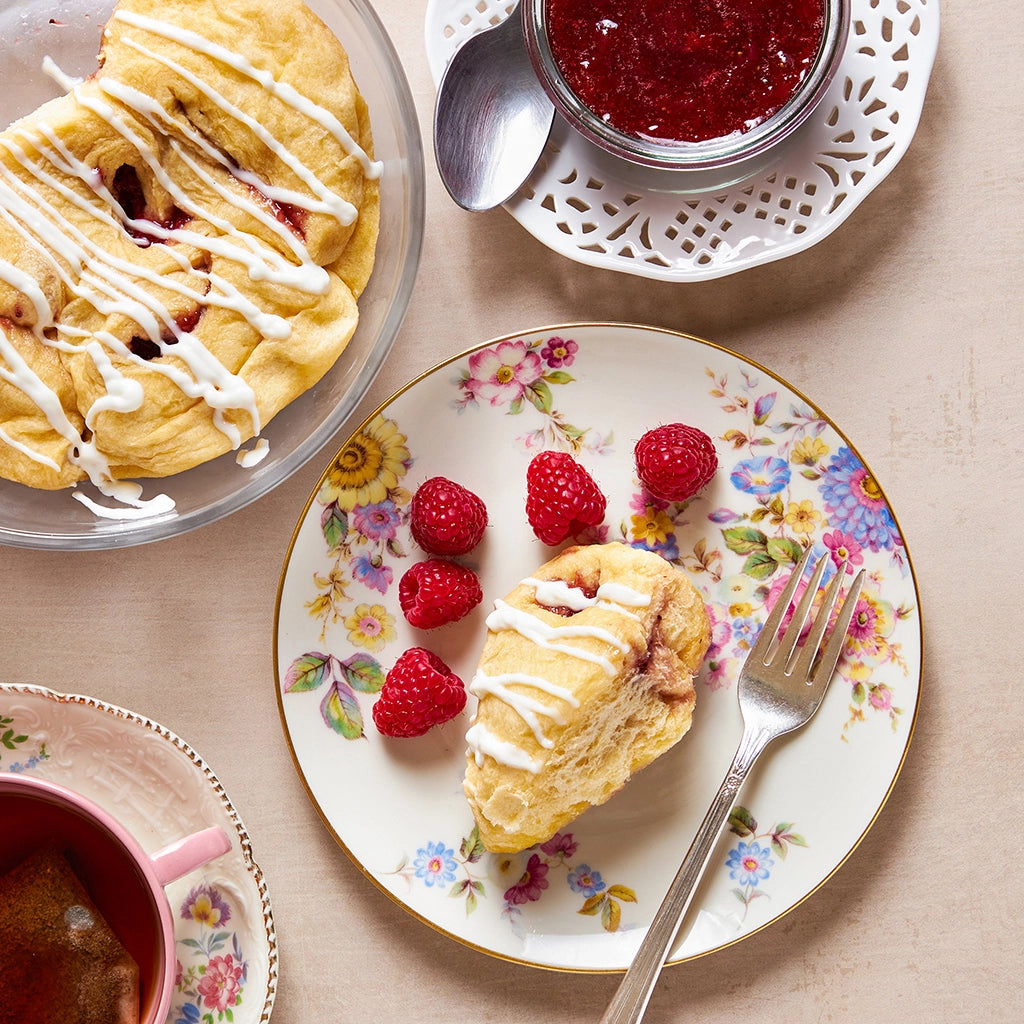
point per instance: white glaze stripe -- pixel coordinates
(282, 90)
(551, 594)
(101, 284)
(529, 709)
(342, 210)
(483, 743)
(529, 626)
(22, 282)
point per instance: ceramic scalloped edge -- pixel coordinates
(598, 210)
(191, 765)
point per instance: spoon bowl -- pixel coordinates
(492, 117)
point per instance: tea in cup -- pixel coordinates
(82, 905)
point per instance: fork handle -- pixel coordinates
(633, 994)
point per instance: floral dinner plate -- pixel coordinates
(787, 479)
(160, 790)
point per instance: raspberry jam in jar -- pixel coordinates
(684, 70)
(670, 82)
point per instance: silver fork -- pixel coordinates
(780, 688)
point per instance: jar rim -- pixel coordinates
(720, 151)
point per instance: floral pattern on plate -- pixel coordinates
(524, 877)
(787, 480)
(211, 971)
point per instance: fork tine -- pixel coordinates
(770, 629)
(787, 645)
(802, 665)
(830, 656)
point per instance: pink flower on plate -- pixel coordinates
(560, 844)
(843, 548)
(880, 697)
(501, 375)
(559, 352)
(220, 985)
(531, 884)
(718, 672)
(775, 592)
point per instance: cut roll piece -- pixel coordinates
(586, 677)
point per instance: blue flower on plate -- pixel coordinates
(373, 572)
(745, 629)
(855, 503)
(435, 864)
(585, 881)
(761, 476)
(750, 863)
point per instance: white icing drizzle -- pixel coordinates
(529, 709)
(550, 594)
(130, 503)
(123, 393)
(529, 626)
(39, 457)
(29, 287)
(109, 291)
(247, 458)
(559, 593)
(111, 284)
(483, 743)
(282, 90)
(342, 210)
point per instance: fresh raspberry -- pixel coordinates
(562, 499)
(446, 518)
(434, 592)
(419, 692)
(675, 461)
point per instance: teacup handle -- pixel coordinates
(185, 855)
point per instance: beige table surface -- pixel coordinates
(907, 327)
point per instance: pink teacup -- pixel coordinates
(125, 882)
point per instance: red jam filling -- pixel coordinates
(684, 70)
(127, 190)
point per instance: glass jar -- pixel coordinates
(705, 154)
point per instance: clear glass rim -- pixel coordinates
(682, 156)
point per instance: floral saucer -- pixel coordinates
(787, 479)
(161, 790)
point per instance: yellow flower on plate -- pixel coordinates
(369, 467)
(653, 527)
(370, 627)
(802, 516)
(809, 451)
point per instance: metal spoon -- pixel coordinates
(492, 117)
